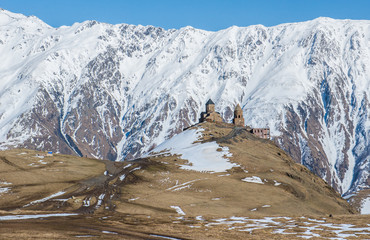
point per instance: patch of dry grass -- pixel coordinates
(140, 204)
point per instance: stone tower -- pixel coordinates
(210, 106)
(210, 115)
(238, 116)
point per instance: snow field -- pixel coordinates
(201, 156)
(311, 227)
(365, 207)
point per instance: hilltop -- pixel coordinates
(231, 171)
(207, 179)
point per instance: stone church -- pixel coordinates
(210, 115)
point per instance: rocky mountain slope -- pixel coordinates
(117, 91)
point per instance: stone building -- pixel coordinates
(261, 132)
(238, 116)
(210, 115)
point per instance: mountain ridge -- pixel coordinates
(117, 91)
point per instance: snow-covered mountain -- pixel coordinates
(117, 91)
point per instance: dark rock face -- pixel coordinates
(43, 122)
(115, 92)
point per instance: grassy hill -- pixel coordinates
(264, 182)
(167, 194)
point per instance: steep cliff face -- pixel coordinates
(117, 91)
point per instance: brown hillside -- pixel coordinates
(287, 188)
(154, 198)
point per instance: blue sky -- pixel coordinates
(204, 14)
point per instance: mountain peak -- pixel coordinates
(118, 91)
(18, 19)
(6, 17)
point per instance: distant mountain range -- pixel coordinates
(117, 91)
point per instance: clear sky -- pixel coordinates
(204, 14)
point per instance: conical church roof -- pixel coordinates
(238, 108)
(210, 102)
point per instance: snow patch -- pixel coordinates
(201, 156)
(5, 183)
(164, 237)
(61, 200)
(137, 168)
(276, 183)
(365, 207)
(109, 232)
(122, 177)
(133, 199)
(22, 217)
(182, 186)
(310, 228)
(199, 218)
(4, 189)
(178, 210)
(100, 200)
(42, 162)
(128, 165)
(253, 179)
(45, 199)
(86, 202)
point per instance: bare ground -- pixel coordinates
(154, 199)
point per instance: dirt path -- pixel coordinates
(6, 161)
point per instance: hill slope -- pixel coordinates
(229, 171)
(116, 91)
(218, 170)
(218, 178)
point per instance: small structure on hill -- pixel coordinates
(239, 121)
(210, 115)
(238, 116)
(261, 132)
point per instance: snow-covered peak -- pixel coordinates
(8, 18)
(116, 91)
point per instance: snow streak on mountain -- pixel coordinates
(117, 91)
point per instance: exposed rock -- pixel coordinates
(116, 91)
